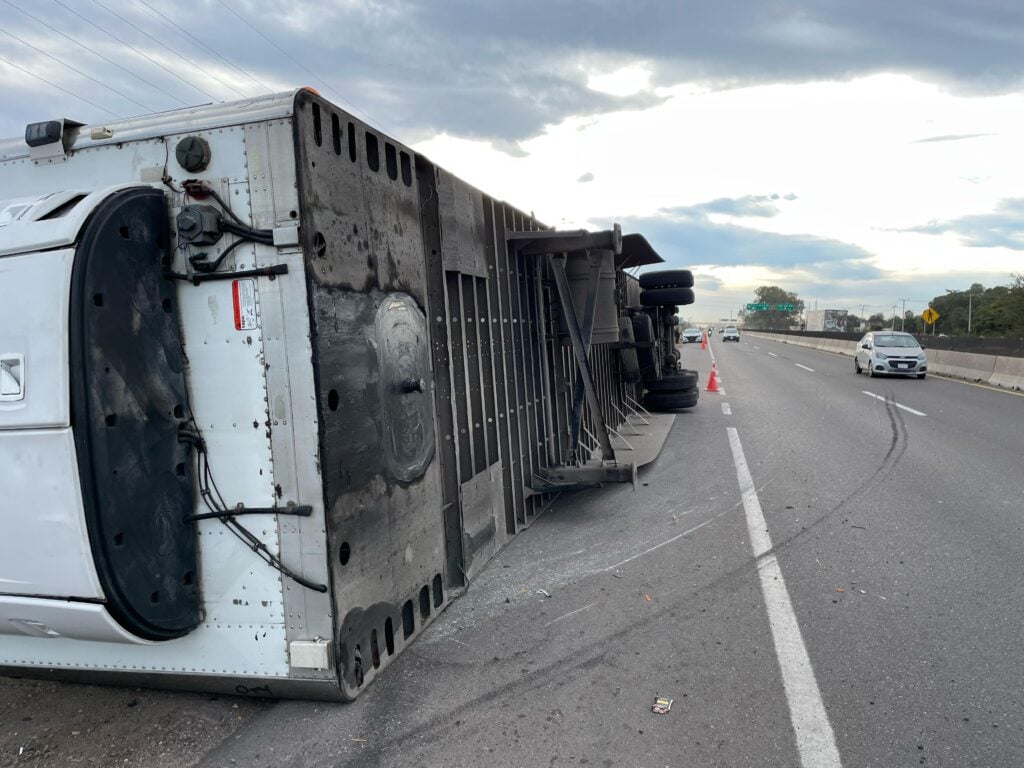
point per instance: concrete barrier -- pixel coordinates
(1009, 372)
(997, 370)
(962, 365)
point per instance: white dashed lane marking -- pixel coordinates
(804, 367)
(726, 409)
(893, 402)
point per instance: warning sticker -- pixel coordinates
(243, 297)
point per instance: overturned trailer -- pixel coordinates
(275, 388)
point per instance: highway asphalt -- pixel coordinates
(819, 569)
(899, 540)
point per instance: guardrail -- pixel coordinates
(997, 370)
(982, 345)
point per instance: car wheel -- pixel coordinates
(921, 375)
(667, 278)
(671, 401)
(871, 371)
(660, 297)
(856, 366)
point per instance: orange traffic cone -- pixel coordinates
(712, 379)
(704, 340)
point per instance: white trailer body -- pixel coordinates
(273, 389)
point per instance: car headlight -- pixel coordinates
(922, 356)
(880, 356)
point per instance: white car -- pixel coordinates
(691, 334)
(890, 353)
(731, 334)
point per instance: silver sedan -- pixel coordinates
(890, 353)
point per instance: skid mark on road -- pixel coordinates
(668, 541)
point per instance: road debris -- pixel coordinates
(648, 598)
(661, 706)
(840, 589)
(617, 574)
(543, 592)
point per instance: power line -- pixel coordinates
(95, 53)
(352, 107)
(151, 60)
(171, 50)
(204, 45)
(59, 88)
(75, 69)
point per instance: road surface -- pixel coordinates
(820, 569)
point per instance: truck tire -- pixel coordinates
(671, 401)
(660, 297)
(667, 278)
(673, 383)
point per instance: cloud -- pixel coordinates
(753, 206)
(686, 236)
(504, 71)
(950, 137)
(1003, 228)
(588, 176)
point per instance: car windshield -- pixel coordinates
(895, 341)
(730, 330)
(691, 330)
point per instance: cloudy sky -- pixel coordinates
(856, 153)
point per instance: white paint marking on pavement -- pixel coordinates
(755, 347)
(804, 367)
(893, 402)
(773, 354)
(815, 740)
(726, 409)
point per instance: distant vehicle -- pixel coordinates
(731, 334)
(691, 334)
(890, 353)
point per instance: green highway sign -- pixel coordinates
(757, 307)
(784, 307)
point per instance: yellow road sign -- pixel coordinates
(929, 315)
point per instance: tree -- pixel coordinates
(876, 322)
(773, 318)
(997, 311)
(912, 323)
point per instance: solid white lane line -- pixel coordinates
(773, 354)
(893, 402)
(804, 367)
(815, 740)
(726, 409)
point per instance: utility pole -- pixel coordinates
(893, 327)
(903, 317)
(970, 300)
